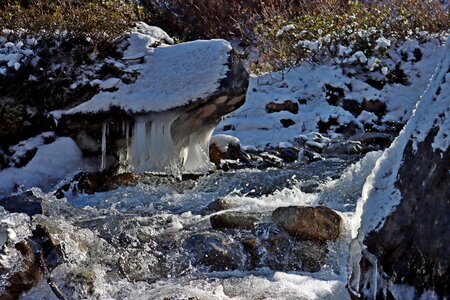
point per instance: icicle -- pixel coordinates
(198, 152)
(104, 133)
(151, 146)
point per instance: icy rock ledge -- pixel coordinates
(163, 122)
(402, 241)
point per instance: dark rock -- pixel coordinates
(281, 252)
(347, 130)
(375, 106)
(230, 220)
(287, 122)
(38, 256)
(352, 106)
(312, 223)
(215, 250)
(378, 84)
(314, 146)
(412, 246)
(287, 105)
(333, 94)
(289, 155)
(374, 138)
(398, 76)
(26, 203)
(216, 206)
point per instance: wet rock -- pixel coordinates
(223, 146)
(26, 203)
(215, 250)
(230, 220)
(281, 252)
(216, 206)
(287, 105)
(312, 223)
(344, 147)
(306, 156)
(34, 257)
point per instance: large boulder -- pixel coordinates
(312, 223)
(163, 121)
(402, 242)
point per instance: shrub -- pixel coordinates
(356, 32)
(99, 20)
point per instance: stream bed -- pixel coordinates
(154, 240)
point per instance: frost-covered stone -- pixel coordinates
(403, 232)
(223, 146)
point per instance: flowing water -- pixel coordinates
(142, 241)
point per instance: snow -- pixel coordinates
(252, 125)
(222, 141)
(105, 84)
(382, 43)
(172, 76)
(51, 163)
(284, 29)
(140, 45)
(23, 147)
(155, 32)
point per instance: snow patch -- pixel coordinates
(51, 163)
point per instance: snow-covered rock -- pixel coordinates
(163, 121)
(223, 146)
(402, 236)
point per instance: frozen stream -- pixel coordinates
(137, 242)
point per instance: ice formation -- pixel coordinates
(152, 144)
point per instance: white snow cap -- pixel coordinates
(172, 76)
